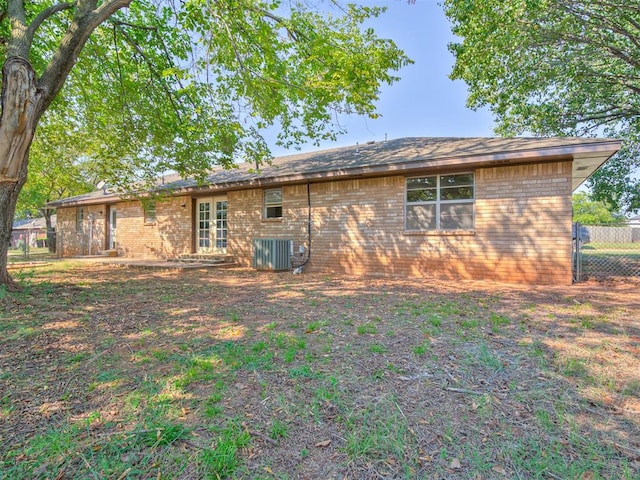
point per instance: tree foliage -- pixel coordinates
(556, 67)
(185, 86)
(57, 169)
(617, 182)
(592, 212)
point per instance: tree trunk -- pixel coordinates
(24, 99)
(17, 125)
(8, 198)
(51, 234)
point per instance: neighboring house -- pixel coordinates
(32, 231)
(634, 221)
(475, 208)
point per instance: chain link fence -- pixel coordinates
(605, 252)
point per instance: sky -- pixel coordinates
(425, 102)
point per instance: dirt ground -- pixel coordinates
(112, 372)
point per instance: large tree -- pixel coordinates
(155, 86)
(557, 67)
(58, 168)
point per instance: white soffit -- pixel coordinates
(584, 164)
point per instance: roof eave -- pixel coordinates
(602, 151)
(592, 154)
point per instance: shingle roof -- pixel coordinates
(382, 157)
(34, 223)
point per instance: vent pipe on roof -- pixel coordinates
(358, 148)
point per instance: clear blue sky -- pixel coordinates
(425, 102)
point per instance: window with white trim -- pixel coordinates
(440, 202)
(273, 203)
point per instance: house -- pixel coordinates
(460, 208)
(634, 221)
(33, 231)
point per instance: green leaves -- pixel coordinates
(588, 211)
(186, 86)
(551, 67)
(617, 183)
(57, 169)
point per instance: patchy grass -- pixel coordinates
(108, 372)
(33, 255)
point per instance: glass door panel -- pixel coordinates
(212, 225)
(221, 226)
(204, 225)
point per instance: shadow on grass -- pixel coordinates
(113, 372)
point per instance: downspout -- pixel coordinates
(298, 269)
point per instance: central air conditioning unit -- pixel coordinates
(272, 254)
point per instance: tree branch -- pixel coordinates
(133, 25)
(580, 40)
(600, 119)
(626, 81)
(233, 43)
(82, 26)
(15, 9)
(602, 20)
(619, 5)
(152, 69)
(86, 6)
(18, 45)
(293, 34)
(124, 93)
(243, 67)
(44, 14)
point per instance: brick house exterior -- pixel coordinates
(491, 209)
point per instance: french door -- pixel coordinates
(212, 225)
(111, 238)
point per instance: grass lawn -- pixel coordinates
(115, 373)
(630, 249)
(34, 254)
(611, 261)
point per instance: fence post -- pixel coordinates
(573, 256)
(577, 246)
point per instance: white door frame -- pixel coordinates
(112, 228)
(211, 224)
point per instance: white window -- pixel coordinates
(273, 203)
(440, 202)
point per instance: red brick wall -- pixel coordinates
(168, 237)
(523, 223)
(246, 222)
(522, 228)
(88, 239)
